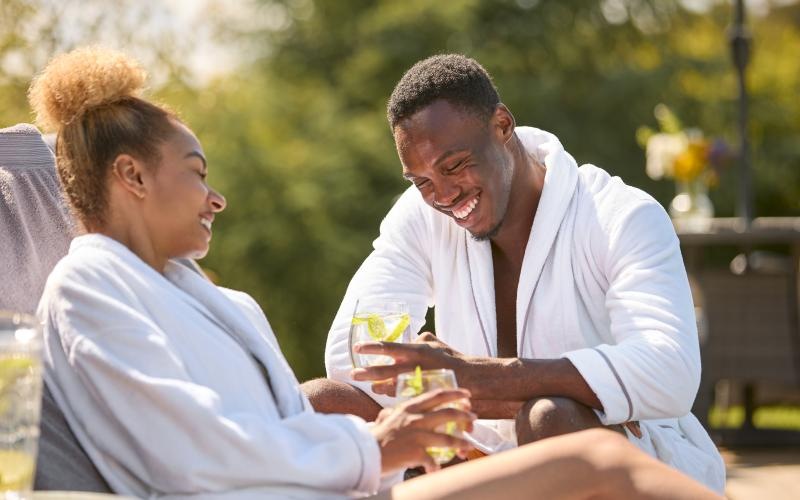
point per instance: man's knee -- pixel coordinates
(331, 396)
(545, 417)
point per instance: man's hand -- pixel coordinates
(403, 432)
(426, 351)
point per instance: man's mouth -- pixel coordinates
(206, 223)
(466, 208)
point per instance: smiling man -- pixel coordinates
(561, 300)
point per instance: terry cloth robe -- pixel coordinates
(602, 284)
(177, 388)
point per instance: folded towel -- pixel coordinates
(35, 224)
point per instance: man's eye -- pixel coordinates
(421, 184)
(458, 166)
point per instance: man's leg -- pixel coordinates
(594, 464)
(546, 417)
(331, 396)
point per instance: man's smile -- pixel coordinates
(463, 210)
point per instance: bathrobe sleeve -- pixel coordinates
(652, 370)
(399, 268)
(144, 414)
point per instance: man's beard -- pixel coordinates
(488, 234)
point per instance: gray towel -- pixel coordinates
(35, 231)
(35, 226)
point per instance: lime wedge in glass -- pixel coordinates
(16, 470)
(12, 368)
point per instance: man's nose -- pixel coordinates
(445, 193)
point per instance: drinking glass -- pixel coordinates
(20, 403)
(411, 384)
(376, 319)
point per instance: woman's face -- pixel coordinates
(180, 205)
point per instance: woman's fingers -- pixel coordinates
(434, 399)
(437, 418)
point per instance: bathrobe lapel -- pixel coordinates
(481, 275)
(209, 301)
(560, 184)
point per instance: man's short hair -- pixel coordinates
(455, 78)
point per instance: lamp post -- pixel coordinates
(740, 49)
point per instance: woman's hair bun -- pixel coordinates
(79, 80)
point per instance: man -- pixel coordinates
(561, 300)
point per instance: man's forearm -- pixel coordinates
(514, 379)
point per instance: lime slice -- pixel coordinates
(376, 327)
(12, 368)
(16, 470)
(405, 319)
(415, 382)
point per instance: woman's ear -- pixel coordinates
(128, 171)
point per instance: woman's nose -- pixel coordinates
(217, 201)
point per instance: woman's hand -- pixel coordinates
(403, 432)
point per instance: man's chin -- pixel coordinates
(487, 235)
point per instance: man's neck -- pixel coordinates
(526, 189)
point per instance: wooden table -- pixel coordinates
(752, 313)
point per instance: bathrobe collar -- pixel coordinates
(560, 184)
(207, 299)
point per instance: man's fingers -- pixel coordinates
(383, 348)
(383, 372)
(387, 387)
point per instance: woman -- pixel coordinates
(177, 388)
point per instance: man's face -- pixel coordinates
(459, 163)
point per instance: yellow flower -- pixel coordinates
(691, 162)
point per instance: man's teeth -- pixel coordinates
(463, 213)
(206, 223)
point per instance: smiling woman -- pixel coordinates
(125, 162)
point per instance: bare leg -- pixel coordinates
(541, 418)
(593, 464)
(331, 396)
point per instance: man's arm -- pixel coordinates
(488, 379)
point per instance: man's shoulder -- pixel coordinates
(609, 195)
(607, 207)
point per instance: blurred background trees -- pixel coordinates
(293, 117)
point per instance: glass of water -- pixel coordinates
(412, 384)
(377, 319)
(20, 403)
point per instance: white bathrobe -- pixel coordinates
(602, 284)
(162, 379)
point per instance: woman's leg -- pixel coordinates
(594, 464)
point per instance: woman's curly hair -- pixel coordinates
(90, 98)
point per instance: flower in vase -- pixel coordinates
(691, 160)
(684, 155)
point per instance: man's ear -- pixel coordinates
(504, 122)
(127, 171)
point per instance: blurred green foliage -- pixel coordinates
(298, 141)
